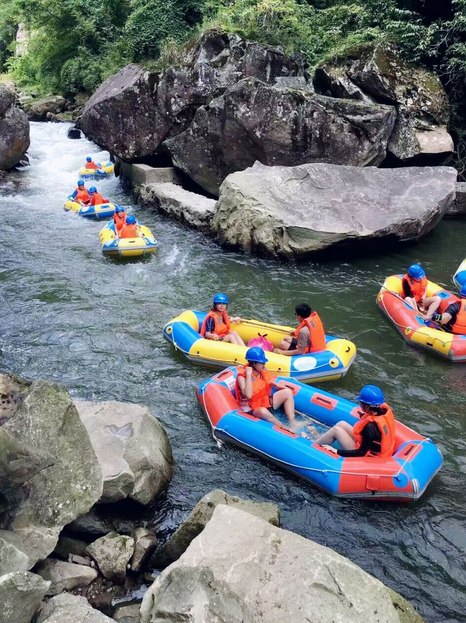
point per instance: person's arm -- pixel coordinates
(245, 384)
(73, 194)
(303, 341)
(369, 434)
(407, 289)
(209, 330)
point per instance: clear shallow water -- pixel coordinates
(69, 314)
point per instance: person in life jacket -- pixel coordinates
(414, 285)
(373, 435)
(119, 219)
(96, 197)
(453, 318)
(254, 390)
(130, 229)
(80, 194)
(217, 323)
(90, 164)
(309, 337)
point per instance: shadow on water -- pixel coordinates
(71, 315)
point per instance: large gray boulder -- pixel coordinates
(377, 73)
(67, 608)
(135, 110)
(20, 596)
(458, 208)
(297, 211)
(40, 110)
(278, 126)
(55, 476)
(112, 554)
(241, 569)
(64, 576)
(201, 515)
(133, 450)
(14, 130)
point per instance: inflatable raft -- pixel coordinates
(127, 247)
(402, 478)
(411, 325)
(459, 277)
(99, 211)
(329, 364)
(97, 174)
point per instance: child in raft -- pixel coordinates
(216, 325)
(414, 289)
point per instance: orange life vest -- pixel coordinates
(91, 165)
(119, 218)
(97, 199)
(129, 231)
(222, 327)
(82, 194)
(459, 326)
(316, 333)
(261, 390)
(418, 286)
(385, 424)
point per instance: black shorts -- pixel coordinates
(293, 345)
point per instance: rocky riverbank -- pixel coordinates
(60, 560)
(14, 129)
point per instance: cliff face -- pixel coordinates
(14, 130)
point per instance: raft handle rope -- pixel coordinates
(309, 469)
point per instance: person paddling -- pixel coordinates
(80, 194)
(217, 323)
(414, 290)
(309, 337)
(254, 390)
(373, 435)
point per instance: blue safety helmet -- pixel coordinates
(221, 298)
(256, 355)
(88, 159)
(119, 209)
(371, 395)
(415, 271)
(80, 183)
(463, 290)
(92, 189)
(131, 220)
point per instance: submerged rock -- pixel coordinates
(14, 130)
(377, 73)
(55, 476)
(201, 515)
(241, 569)
(132, 448)
(135, 110)
(278, 126)
(20, 596)
(297, 211)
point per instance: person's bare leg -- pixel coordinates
(337, 433)
(432, 303)
(264, 414)
(411, 302)
(285, 343)
(285, 397)
(345, 426)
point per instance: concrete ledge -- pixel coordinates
(195, 210)
(139, 174)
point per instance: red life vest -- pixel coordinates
(91, 165)
(261, 390)
(129, 231)
(418, 286)
(82, 194)
(385, 424)
(97, 199)
(119, 218)
(316, 333)
(459, 326)
(222, 327)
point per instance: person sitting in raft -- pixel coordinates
(254, 388)
(309, 337)
(96, 197)
(414, 285)
(119, 219)
(453, 318)
(216, 325)
(130, 229)
(373, 435)
(90, 164)
(80, 194)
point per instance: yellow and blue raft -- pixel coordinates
(127, 247)
(325, 365)
(99, 211)
(97, 174)
(459, 277)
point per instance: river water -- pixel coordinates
(68, 314)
